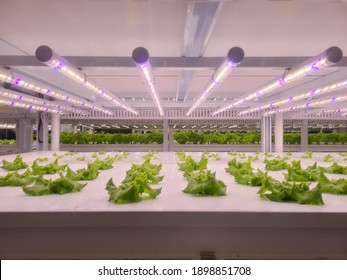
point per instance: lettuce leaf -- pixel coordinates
(17, 164)
(61, 185)
(190, 165)
(16, 179)
(332, 186)
(204, 183)
(51, 168)
(276, 164)
(83, 174)
(136, 183)
(237, 167)
(252, 179)
(104, 164)
(297, 174)
(285, 191)
(335, 169)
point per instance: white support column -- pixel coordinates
(42, 132)
(165, 135)
(171, 138)
(55, 131)
(266, 134)
(24, 136)
(74, 128)
(304, 136)
(279, 132)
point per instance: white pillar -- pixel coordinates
(171, 138)
(304, 136)
(266, 134)
(24, 136)
(42, 132)
(165, 135)
(55, 131)
(74, 128)
(279, 132)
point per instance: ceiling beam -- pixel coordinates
(164, 62)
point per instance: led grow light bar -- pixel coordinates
(141, 58)
(10, 94)
(8, 77)
(326, 58)
(234, 57)
(312, 93)
(308, 105)
(24, 105)
(46, 55)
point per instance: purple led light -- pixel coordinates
(67, 98)
(48, 91)
(11, 103)
(258, 93)
(30, 107)
(313, 92)
(339, 110)
(17, 81)
(333, 99)
(291, 99)
(291, 108)
(20, 97)
(59, 66)
(308, 104)
(83, 104)
(281, 82)
(314, 66)
(46, 109)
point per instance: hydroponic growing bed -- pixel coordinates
(240, 224)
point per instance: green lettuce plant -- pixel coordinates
(17, 164)
(16, 179)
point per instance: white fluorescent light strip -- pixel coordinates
(46, 55)
(308, 105)
(327, 58)
(24, 105)
(141, 58)
(233, 59)
(37, 101)
(317, 92)
(8, 77)
(9, 126)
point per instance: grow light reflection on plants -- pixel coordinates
(46, 55)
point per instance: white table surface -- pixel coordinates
(94, 197)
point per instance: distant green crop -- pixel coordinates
(16, 179)
(17, 164)
(81, 158)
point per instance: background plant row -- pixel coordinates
(156, 137)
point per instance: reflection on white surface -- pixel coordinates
(94, 197)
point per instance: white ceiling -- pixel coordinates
(114, 28)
